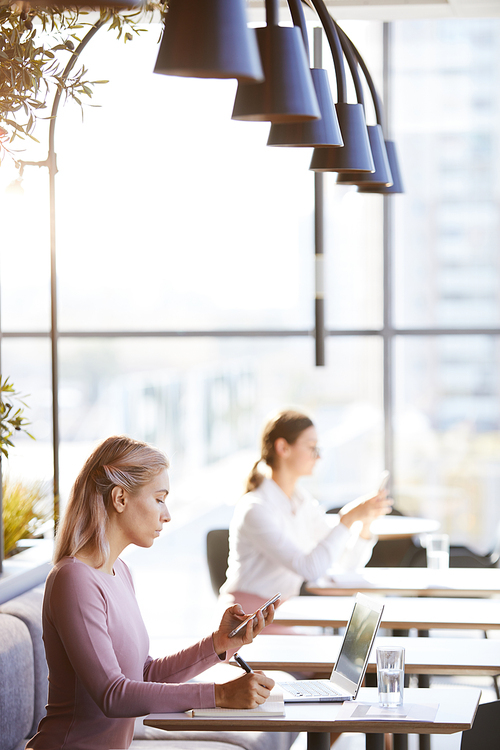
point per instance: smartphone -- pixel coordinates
(243, 624)
(384, 479)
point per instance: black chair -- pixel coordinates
(217, 555)
(460, 557)
(485, 731)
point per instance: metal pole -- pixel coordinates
(319, 232)
(51, 163)
(388, 329)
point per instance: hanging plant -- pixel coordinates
(35, 45)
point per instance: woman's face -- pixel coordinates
(303, 454)
(146, 511)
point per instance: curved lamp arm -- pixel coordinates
(299, 19)
(377, 102)
(67, 70)
(335, 47)
(347, 48)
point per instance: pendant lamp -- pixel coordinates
(382, 178)
(316, 133)
(287, 93)
(355, 154)
(208, 39)
(397, 182)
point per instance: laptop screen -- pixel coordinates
(357, 642)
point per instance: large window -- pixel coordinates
(185, 257)
(447, 274)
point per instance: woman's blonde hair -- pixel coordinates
(286, 424)
(118, 461)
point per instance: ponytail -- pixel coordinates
(255, 478)
(286, 424)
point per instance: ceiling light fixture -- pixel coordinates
(209, 39)
(355, 155)
(316, 133)
(287, 93)
(382, 176)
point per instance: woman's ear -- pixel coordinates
(281, 447)
(118, 499)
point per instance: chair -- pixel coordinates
(460, 556)
(485, 730)
(217, 555)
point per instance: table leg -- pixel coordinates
(424, 681)
(400, 742)
(318, 741)
(375, 741)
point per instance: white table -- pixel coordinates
(400, 613)
(456, 712)
(458, 582)
(318, 653)
(396, 527)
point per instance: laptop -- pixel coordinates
(352, 661)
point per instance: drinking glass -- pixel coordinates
(438, 551)
(390, 676)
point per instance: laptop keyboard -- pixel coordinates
(309, 688)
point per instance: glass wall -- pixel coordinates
(447, 275)
(185, 256)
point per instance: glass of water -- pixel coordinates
(438, 551)
(390, 676)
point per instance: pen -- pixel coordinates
(242, 663)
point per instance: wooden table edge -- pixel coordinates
(413, 592)
(325, 622)
(322, 671)
(282, 724)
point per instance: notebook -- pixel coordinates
(273, 706)
(350, 667)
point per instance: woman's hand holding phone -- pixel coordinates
(238, 628)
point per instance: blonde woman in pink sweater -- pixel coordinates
(100, 674)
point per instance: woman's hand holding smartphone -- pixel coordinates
(251, 617)
(231, 635)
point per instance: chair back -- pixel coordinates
(217, 555)
(485, 730)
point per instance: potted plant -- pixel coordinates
(12, 420)
(25, 511)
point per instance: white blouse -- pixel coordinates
(276, 542)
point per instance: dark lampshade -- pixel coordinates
(382, 176)
(287, 93)
(397, 183)
(318, 133)
(355, 155)
(209, 39)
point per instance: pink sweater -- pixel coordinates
(100, 674)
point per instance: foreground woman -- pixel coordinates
(279, 535)
(100, 675)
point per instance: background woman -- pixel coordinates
(279, 535)
(100, 674)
